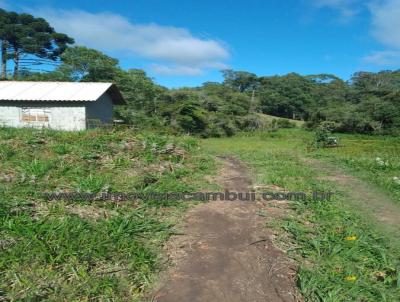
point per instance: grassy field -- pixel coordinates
(373, 158)
(80, 250)
(112, 251)
(343, 257)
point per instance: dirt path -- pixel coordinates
(365, 197)
(227, 254)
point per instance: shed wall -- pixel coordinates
(102, 109)
(61, 115)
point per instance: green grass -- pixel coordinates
(79, 250)
(331, 267)
(358, 154)
(112, 251)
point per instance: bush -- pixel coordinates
(249, 123)
(191, 118)
(284, 123)
(323, 135)
(229, 128)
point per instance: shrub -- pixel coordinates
(249, 123)
(323, 135)
(284, 123)
(191, 118)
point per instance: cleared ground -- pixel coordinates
(226, 253)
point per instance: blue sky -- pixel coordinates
(185, 43)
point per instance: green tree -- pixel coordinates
(287, 96)
(143, 98)
(8, 22)
(379, 83)
(37, 43)
(139, 90)
(88, 65)
(242, 81)
(29, 42)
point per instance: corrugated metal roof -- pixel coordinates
(57, 91)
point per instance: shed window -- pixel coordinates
(35, 114)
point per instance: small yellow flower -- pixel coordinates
(351, 238)
(351, 278)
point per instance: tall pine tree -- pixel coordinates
(29, 42)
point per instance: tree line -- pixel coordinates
(367, 103)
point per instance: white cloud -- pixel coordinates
(386, 22)
(386, 30)
(384, 57)
(174, 50)
(176, 70)
(347, 8)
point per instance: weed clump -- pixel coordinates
(323, 136)
(79, 250)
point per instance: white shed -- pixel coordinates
(57, 105)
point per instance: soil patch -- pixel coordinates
(227, 253)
